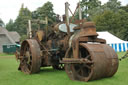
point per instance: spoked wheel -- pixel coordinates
(30, 60)
(80, 71)
(58, 67)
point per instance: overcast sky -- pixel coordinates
(9, 8)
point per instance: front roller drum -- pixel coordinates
(104, 62)
(30, 60)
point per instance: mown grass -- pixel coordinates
(9, 75)
(6, 55)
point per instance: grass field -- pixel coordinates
(9, 75)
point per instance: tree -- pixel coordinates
(1, 23)
(21, 22)
(10, 25)
(88, 5)
(113, 5)
(45, 11)
(116, 23)
(124, 8)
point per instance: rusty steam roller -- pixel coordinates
(70, 45)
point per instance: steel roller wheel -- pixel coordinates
(77, 71)
(30, 60)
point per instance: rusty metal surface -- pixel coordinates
(77, 61)
(30, 60)
(85, 56)
(105, 63)
(40, 35)
(88, 29)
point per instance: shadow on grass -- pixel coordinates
(50, 70)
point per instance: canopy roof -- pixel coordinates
(110, 38)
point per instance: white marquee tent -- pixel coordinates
(117, 44)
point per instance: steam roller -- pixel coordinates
(74, 47)
(84, 56)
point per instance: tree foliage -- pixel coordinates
(45, 11)
(10, 25)
(125, 8)
(116, 23)
(1, 23)
(113, 5)
(21, 22)
(88, 5)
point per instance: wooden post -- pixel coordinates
(67, 17)
(46, 22)
(29, 29)
(80, 13)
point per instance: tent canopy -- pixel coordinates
(110, 38)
